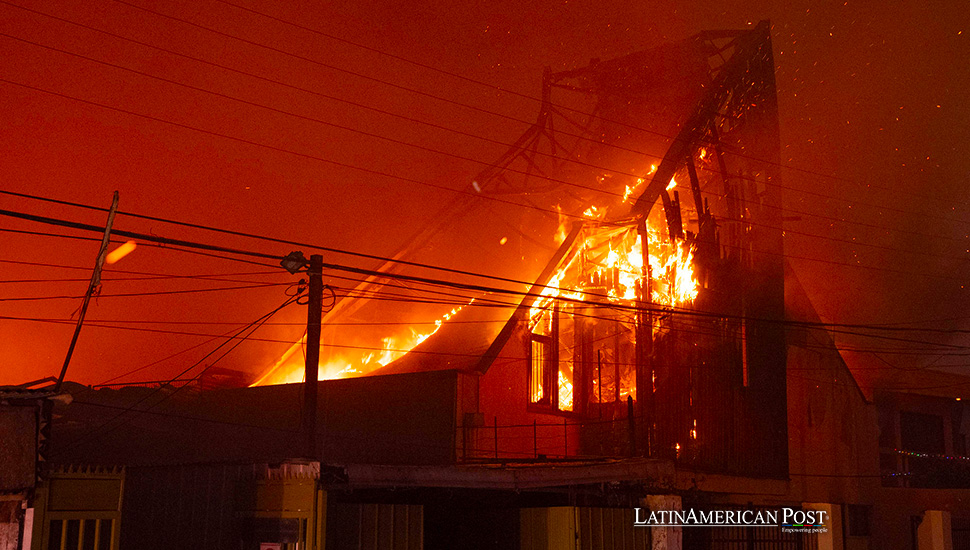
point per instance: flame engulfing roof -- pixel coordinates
(461, 341)
(701, 90)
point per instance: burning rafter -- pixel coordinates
(730, 71)
(735, 79)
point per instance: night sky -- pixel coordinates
(874, 102)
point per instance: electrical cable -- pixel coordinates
(255, 325)
(439, 98)
(479, 137)
(539, 100)
(679, 330)
(141, 294)
(853, 243)
(463, 286)
(792, 256)
(527, 173)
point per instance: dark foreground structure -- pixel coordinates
(666, 359)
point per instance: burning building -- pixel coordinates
(646, 364)
(663, 303)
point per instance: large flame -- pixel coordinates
(392, 348)
(610, 260)
(620, 252)
(673, 272)
(565, 393)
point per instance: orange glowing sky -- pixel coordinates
(879, 97)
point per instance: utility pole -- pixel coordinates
(92, 287)
(313, 320)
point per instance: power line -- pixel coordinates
(856, 243)
(794, 323)
(853, 243)
(264, 238)
(484, 302)
(142, 294)
(360, 271)
(276, 324)
(527, 96)
(366, 348)
(252, 327)
(297, 243)
(166, 358)
(283, 150)
(142, 236)
(316, 120)
(830, 327)
(446, 283)
(148, 274)
(679, 329)
(207, 247)
(890, 228)
(548, 211)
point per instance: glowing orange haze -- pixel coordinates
(672, 277)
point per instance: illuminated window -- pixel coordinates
(552, 361)
(541, 367)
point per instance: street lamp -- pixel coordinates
(294, 262)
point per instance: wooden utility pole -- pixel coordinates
(95, 283)
(313, 320)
